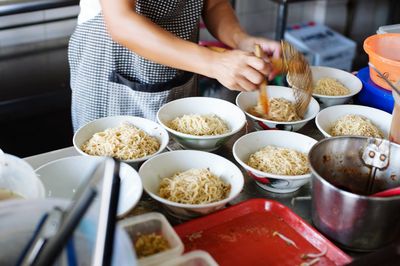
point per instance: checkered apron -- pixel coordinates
(108, 79)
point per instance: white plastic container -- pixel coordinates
(194, 258)
(322, 45)
(389, 29)
(154, 223)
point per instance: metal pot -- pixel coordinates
(340, 208)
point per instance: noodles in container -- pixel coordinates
(194, 186)
(150, 244)
(281, 110)
(330, 87)
(276, 160)
(279, 161)
(199, 125)
(125, 142)
(355, 125)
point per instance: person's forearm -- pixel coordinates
(222, 23)
(150, 41)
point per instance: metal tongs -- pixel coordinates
(376, 155)
(57, 226)
(393, 86)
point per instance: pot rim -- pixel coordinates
(315, 174)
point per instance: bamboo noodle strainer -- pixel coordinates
(299, 77)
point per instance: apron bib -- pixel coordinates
(108, 79)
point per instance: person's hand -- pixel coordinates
(239, 70)
(271, 49)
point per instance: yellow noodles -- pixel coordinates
(355, 125)
(125, 142)
(280, 110)
(330, 87)
(194, 186)
(146, 245)
(199, 125)
(279, 161)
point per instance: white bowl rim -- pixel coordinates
(312, 116)
(265, 174)
(135, 202)
(188, 136)
(338, 96)
(337, 106)
(162, 145)
(193, 206)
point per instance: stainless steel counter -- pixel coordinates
(298, 201)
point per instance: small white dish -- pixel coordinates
(61, 179)
(225, 110)
(153, 129)
(252, 142)
(327, 117)
(246, 100)
(347, 79)
(156, 223)
(169, 163)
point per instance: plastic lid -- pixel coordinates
(389, 29)
(18, 179)
(154, 223)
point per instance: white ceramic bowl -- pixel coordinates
(61, 179)
(252, 142)
(227, 111)
(327, 117)
(169, 163)
(246, 100)
(18, 176)
(347, 79)
(152, 128)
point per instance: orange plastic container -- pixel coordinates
(384, 53)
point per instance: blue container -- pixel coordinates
(372, 95)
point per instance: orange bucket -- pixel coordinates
(384, 53)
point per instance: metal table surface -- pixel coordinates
(299, 201)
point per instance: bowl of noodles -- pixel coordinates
(282, 113)
(127, 138)
(276, 160)
(334, 86)
(354, 120)
(201, 123)
(191, 183)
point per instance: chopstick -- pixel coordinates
(263, 97)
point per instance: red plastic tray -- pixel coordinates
(243, 235)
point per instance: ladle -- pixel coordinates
(387, 193)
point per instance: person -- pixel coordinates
(129, 57)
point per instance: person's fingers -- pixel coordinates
(246, 85)
(253, 75)
(272, 49)
(259, 64)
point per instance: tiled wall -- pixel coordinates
(257, 16)
(36, 33)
